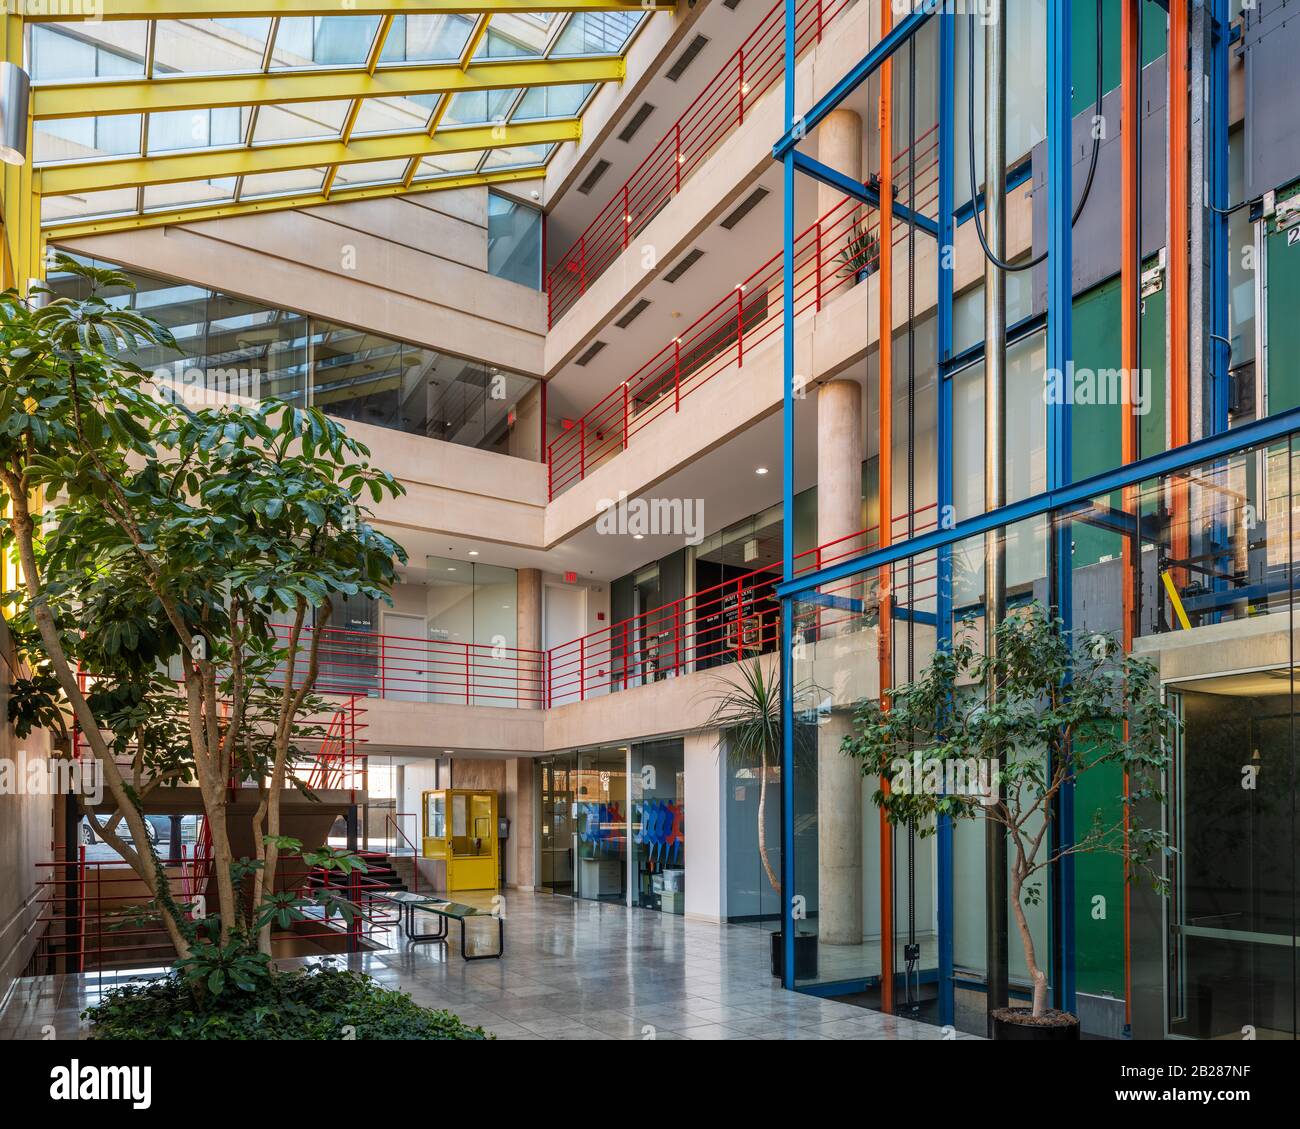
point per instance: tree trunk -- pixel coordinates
(1038, 976)
(144, 863)
(762, 824)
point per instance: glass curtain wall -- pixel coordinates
(235, 349)
(473, 630)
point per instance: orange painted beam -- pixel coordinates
(886, 486)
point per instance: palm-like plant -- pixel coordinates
(747, 715)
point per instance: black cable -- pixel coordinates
(1037, 260)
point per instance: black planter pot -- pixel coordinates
(1016, 1025)
(805, 955)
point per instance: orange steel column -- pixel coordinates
(886, 486)
(1177, 286)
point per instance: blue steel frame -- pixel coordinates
(1062, 493)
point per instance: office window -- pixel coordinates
(514, 241)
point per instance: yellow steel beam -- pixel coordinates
(61, 180)
(74, 100)
(70, 11)
(57, 233)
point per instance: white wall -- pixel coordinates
(705, 861)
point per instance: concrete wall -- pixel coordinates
(26, 835)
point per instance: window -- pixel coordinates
(514, 241)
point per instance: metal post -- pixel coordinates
(817, 259)
(677, 374)
(740, 325)
(995, 493)
(677, 159)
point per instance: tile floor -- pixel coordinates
(572, 970)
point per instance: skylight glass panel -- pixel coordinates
(479, 107)
(300, 121)
(426, 39)
(189, 193)
(323, 41)
(394, 115)
(84, 51)
(514, 36)
(221, 127)
(84, 139)
(209, 46)
(552, 102)
(87, 205)
(517, 156)
(290, 182)
(371, 172)
(447, 164)
(596, 33)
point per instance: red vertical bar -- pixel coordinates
(582, 669)
(740, 325)
(467, 661)
(740, 622)
(582, 448)
(677, 160)
(625, 415)
(817, 244)
(677, 374)
(582, 264)
(627, 218)
(741, 98)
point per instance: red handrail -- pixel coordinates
(748, 315)
(746, 76)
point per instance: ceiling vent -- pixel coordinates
(590, 354)
(635, 312)
(636, 121)
(599, 169)
(687, 57)
(747, 205)
(732, 4)
(688, 261)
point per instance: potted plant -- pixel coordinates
(860, 256)
(747, 716)
(998, 736)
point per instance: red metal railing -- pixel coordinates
(106, 929)
(728, 622)
(430, 670)
(830, 257)
(754, 68)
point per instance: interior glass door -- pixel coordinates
(557, 845)
(602, 824)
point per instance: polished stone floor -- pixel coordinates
(572, 970)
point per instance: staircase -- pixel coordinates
(380, 875)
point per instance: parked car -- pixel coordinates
(156, 827)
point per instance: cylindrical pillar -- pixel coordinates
(839, 145)
(839, 781)
(528, 638)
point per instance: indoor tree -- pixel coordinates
(747, 715)
(150, 533)
(998, 736)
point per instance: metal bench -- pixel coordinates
(444, 911)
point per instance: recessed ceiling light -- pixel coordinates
(638, 536)
(451, 568)
(473, 552)
(760, 470)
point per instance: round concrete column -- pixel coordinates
(839, 781)
(839, 145)
(528, 636)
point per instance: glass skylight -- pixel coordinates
(412, 57)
